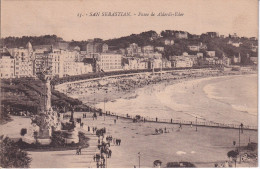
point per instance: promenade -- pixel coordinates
(209, 145)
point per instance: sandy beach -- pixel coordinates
(211, 98)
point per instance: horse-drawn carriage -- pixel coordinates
(138, 118)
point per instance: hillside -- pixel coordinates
(218, 44)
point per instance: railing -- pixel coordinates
(172, 121)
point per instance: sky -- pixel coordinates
(35, 18)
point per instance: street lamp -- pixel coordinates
(94, 101)
(240, 128)
(196, 124)
(139, 156)
(105, 107)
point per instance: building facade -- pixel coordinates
(109, 62)
(6, 66)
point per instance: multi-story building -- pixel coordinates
(40, 62)
(210, 61)
(53, 62)
(93, 47)
(66, 63)
(60, 61)
(24, 68)
(109, 62)
(133, 50)
(90, 48)
(6, 65)
(137, 63)
(24, 61)
(181, 61)
(97, 47)
(166, 63)
(194, 59)
(76, 68)
(157, 63)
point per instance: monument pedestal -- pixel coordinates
(44, 141)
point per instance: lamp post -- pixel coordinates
(139, 156)
(196, 124)
(94, 101)
(105, 107)
(161, 68)
(240, 128)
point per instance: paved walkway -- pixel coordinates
(67, 159)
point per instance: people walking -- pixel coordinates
(80, 150)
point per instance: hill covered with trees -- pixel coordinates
(15, 42)
(218, 44)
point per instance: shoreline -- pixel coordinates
(117, 93)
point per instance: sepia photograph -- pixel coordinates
(129, 84)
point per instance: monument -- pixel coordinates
(47, 119)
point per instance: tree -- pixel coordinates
(12, 156)
(23, 131)
(232, 154)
